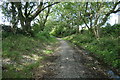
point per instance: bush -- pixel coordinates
(43, 35)
(111, 30)
(106, 48)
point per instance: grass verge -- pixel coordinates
(22, 55)
(106, 48)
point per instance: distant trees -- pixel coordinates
(68, 15)
(97, 14)
(92, 14)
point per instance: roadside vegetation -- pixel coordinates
(87, 26)
(31, 36)
(25, 48)
(107, 48)
(22, 54)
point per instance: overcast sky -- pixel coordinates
(113, 19)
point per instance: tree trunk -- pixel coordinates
(77, 29)
(27, 17)
(26, 26)
(14, 20)
(97, 32)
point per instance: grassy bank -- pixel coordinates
(22, 54)
(106, 48)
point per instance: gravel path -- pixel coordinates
(66, 63)
(70, 64)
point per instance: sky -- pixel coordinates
(113, 19)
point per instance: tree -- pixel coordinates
(66, 14)
(28, 11)
(92, 14)
(9, 10)
(43, 18)
(26, 17)
(97, 14)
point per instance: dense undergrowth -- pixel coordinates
(22, 54)
(106, 48)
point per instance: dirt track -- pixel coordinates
(73, 63)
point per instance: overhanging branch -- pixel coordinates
(41, 9)
(110, 12)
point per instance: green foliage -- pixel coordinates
(111, 30)
(36, 28)
(16, 47)
(48, 51)
(6, 34)
(106, 48)
(63, 21)
(57, 31)
(45, 36)
(62, 30)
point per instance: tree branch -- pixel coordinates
(41, 9)
(19, 7)
(84, 20)
(110, 12)
(48, 12)
(26, 6)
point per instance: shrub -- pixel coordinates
(106, 48)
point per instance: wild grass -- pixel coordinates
(22, 54)
(107, 47)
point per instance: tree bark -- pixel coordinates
(14, 20)
(45, 20)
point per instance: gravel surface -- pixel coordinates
(72, 64)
